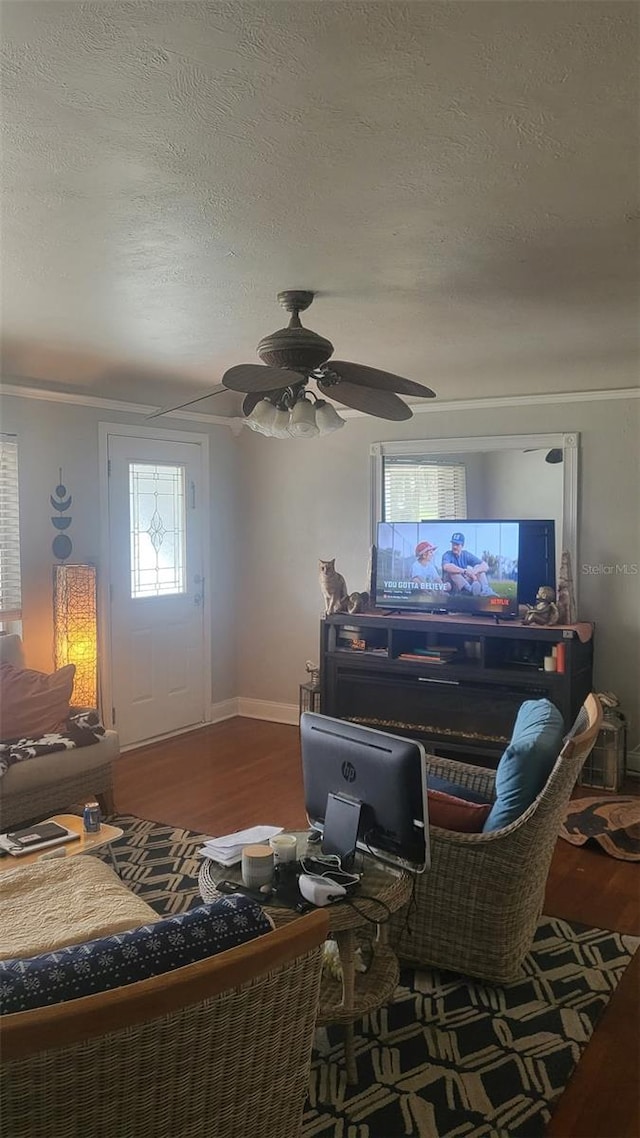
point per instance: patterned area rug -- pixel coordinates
(612, 822)
(449, 1058)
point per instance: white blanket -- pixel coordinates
(50, 904)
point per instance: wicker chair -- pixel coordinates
(218, 1049)
(478, 907)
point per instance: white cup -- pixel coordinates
(257, 866)
(285, 848)
(550, 664)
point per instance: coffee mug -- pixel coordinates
(257, 866)
(285, 848)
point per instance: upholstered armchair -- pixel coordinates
(49, 783)
(477, 908)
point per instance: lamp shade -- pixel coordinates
(327, 418)
(263, 416)
(303, 420)
(75, 628)
(280, 426)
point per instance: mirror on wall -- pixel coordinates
(489, 477)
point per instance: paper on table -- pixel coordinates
(245, 837)
(227, 850)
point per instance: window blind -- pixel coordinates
(10, 590)
(415, 489)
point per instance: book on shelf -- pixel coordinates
(440, 654)
(422, 659)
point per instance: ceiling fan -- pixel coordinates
(277, 398)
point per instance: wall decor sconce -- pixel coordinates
(60, 501)
(75, 628)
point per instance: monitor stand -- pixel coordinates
(341, 825)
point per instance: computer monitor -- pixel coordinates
(385, 774)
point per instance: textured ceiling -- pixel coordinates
(458, 181)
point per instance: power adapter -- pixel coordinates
(320, 891)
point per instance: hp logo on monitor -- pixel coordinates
(348, 772)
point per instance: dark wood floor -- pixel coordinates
(244, 772)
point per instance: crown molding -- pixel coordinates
(78, 399)
(527, 400)
(235, 422)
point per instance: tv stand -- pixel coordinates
(461, 701)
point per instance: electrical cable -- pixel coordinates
(374, 900)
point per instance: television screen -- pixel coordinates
(383, 774)
(448, 566)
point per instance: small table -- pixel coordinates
(84, 843)
(348, 1000)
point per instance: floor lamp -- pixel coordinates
(75, 628)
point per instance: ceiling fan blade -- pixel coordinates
(381, 380)
(259, 377)
(555, 455)
(253, 398)
(383, 404)
(180, 406)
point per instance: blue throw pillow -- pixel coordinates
(123, 958)
(527, 762)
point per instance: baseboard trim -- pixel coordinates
(265, 709)
(226, 709)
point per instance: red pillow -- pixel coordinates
(33, 703)
(451, 813)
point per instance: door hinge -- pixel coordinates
(108, 468)
(113, 716)
(192, 490)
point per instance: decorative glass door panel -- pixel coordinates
(157, 518)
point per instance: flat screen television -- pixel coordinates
(385, 774)
(448, 566)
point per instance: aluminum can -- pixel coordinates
(91, 818)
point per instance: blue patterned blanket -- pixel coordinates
(80, 730)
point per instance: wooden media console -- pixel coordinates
(455, 682)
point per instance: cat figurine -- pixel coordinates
(333, 587)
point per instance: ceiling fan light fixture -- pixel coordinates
(303, 420)
(327, 418)
(251, 423)
(280, 425)
(263, 415)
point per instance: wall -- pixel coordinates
(310, 499)
(53, 435)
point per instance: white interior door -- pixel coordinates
(156, 586)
